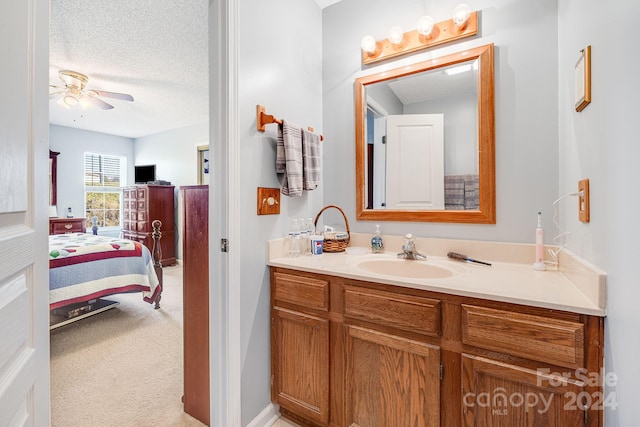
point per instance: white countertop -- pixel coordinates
(575, 286)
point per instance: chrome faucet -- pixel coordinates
(409, 249)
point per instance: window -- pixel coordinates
(103, 177)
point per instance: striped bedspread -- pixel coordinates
(83, 267)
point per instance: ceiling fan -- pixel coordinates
(74, 92)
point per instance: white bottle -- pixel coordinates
(294, 239)
(539, 263)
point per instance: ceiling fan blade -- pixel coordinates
(98, 102)
(115, 95)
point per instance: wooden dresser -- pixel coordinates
(142, 204)
(66, 225)
(195, 256)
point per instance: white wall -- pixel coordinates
(175, 155)
(601, 144)
(72, 144)
(526, 57)
(280, 65)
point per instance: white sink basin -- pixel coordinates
(405, 268)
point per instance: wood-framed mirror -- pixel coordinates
(425, 141)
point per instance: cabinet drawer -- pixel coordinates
(300, 290)
(142, 204)
(533, 337)
(67, 227)
(63, 226)
(142, 216)
(141, 193)
(405, 312)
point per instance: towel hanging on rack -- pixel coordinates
(310, 160)
(290, 139)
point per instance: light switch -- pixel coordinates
(268, 201)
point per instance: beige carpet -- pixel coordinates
(122, 367)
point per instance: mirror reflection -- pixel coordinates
(422, 140)
(425, 138)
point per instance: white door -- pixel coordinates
(24, 277)
(415, 161)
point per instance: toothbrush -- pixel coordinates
(462, 257)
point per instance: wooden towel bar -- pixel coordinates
(263, 119)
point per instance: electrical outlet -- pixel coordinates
(583, 200)
(268, 201)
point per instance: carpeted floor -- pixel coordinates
(122, 367)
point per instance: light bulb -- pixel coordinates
(396, 34)
(368, 44)
(70, 100)
(425, 25)
(461, 14)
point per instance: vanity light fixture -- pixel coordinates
(368, 44)
(464, 23)
(425, 25)
(461, 14)
(396, 35)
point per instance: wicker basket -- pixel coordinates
(334, 245)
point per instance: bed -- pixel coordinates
(85, 268)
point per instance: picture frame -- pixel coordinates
(582, 79)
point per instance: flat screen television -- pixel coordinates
(145, 173)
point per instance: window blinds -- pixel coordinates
(101, 170)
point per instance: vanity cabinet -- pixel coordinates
(354, 353)
(300, 345)
(390, 380)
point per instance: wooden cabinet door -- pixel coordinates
(496, 394)
(300, 363)
(390, 381)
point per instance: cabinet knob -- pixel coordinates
(68, 226)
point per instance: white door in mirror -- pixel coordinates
(415, 161)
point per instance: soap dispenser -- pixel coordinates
(376, 242)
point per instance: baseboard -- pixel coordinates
(267, 417)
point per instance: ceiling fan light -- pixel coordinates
(70, 100)
(85, 102)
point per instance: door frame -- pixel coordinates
(224, 211)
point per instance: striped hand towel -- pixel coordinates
(291, 137)
(310, 160)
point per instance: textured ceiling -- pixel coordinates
(155, 50)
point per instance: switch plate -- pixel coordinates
(583, 200)
(268, 201)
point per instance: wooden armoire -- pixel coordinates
(195, 255)
(142, 205)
